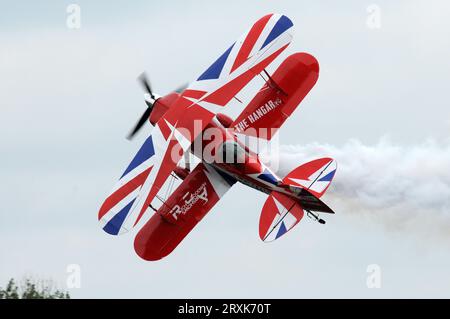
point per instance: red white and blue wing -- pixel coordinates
(192, 112)
(238, 65)
(117, 206)
(184, 209)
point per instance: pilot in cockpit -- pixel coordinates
(232, 153)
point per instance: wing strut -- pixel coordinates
(237, 99)
(270, 82)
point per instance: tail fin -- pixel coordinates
(308, 182)
(279, 215)
(314, 176)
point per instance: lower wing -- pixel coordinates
(279, 97)
(187, 205)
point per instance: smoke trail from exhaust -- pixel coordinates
(405, 187)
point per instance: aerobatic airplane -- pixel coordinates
(184, 123)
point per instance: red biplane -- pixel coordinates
(195, 121)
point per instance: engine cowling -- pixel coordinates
(161, 106)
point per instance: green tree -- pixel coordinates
(32, 289)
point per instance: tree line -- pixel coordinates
(32, 289)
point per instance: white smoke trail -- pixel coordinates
(405, 187)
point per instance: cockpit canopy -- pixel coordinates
(232, 153)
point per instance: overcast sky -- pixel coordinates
(380, 107)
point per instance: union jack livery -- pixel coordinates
(194, 122)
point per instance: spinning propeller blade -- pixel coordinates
(144, 117)
(140, 123)
(150, 100)
(146, 84)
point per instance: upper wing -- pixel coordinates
(193, 110)
(117, 206)
(279, 97)
(243, 60)
(190, 202)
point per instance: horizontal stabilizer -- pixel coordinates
(279, 215)
(183, 210)
(314, 176)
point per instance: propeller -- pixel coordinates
(150, 100)
(146, 84)
(140, 123)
